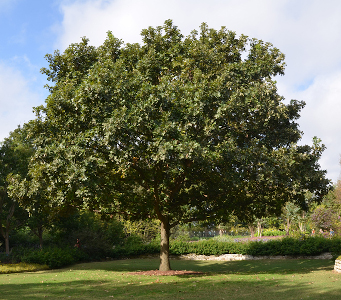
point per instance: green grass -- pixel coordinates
(263, 279)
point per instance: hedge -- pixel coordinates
(286, 246)
(58, 257)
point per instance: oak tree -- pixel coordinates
(177, 128)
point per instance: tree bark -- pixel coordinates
(252, 230)
(164, 252)
(7, 243)
(259, 228)
(287, 228)
(5, 235)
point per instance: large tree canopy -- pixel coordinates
(178, 128)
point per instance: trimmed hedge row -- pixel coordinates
(286, 246)
(58, 257)
(208, 247)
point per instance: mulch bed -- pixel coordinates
(166, 273)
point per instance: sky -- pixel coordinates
(308, 32)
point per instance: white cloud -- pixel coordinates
(322, 118)
(304, 31)
(126, 18)
(16, 100)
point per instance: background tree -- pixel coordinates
(324, 218)
(42, 213)
(290, 216)
(147, 230)
(178, 129)
(15, 153)
(327, 214)
(97, 236)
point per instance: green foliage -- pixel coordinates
(293, 247)
(178, 129)
(147, 230)
(52, 257)
(134, 246)
(272, 232)
(208, 247)
(15, 153)
(6, 258)
(335, 247)
(97, 237)
(289, 246)
(325, 218)
(23, 237)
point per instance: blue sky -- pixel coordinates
(28, 31)
(308, 32)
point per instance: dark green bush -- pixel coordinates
(4, 258)
(335, 247)
(207, 247)
(285, 246)
(52, 257)
(97, 237)
(133, 246)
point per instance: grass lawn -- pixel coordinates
(264, 279)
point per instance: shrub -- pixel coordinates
(52, 257)
(287, 246)
(335, 247)
(272, 232)
(133, 246)
(207, 247)
(4, 258)
(97, 237)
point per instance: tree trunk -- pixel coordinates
(5, 234)
(7, 243)
(252, 230)
(259, 228)
(301, 223)
(164, 253)
(40, 235)
(288, 226)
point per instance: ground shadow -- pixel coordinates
(285, 266)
